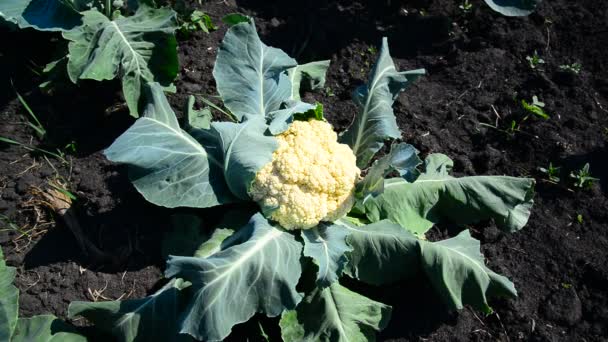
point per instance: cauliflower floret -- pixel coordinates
(311, 177)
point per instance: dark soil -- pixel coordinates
(477, 74)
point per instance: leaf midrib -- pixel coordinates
(133, 52)
(337, 313)
(199, 148)
(259, 244)
(366, 108)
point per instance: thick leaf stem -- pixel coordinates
(108, 9)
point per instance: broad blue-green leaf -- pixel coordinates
(43, 15)
(336, 314)
(153, 318)
(376, 121)
(199, 119)
(436, 196)
(402, 158)
(456, 269)
(513, 8)
(45, 328)
(9, 300)
(245, 148)
(167, 166)
(250, 76)
(280, 120)
(138, 49)
(229, 287)
(326, 245)
(309, 76)
(383, 252)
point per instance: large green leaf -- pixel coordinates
(513, 8)
(436, 196)
(153, 318)
(45, 328)
(335, 314)
(383, 252)
(245, 148)
(309, 76)
(456, 269)
(9, 300)
(43, 15)
(229, 287)
(403, 158)
(250, 76)
(376, 121)
(326, 245)
(167, 166)
(138, 49)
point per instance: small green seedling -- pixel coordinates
(582, 178)
(35, 124)
(466, 6)
(535, 61)
(198, 20)
(63, 191)
(514, 127)
(263, 332)
(579, 218)
(536, 107)
(59, 155)
(574, 68)
(71, 147)
(329, 92)
(552, 172)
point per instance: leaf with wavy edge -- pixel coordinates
(383, 252)
(457, 271)
(258, 275)
(326, 245)
(234, 141)
(436, 196)
(376, 121)
(250, 76)
(309, 76)
(402, 158)
(166, 165)
(138, 49)
(335, 314)
(280, 120)
(153, 318)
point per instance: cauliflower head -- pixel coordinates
(311, 177)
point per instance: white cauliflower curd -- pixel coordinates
(311, 177)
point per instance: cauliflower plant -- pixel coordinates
(311, 177)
